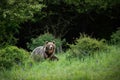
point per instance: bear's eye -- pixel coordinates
(47, 48)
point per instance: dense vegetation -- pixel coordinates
(88, 59)
(40, 40)
(102, 66)
(87, 46)
(26, 24)
(11, 55)
(21, 20)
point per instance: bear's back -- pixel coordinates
(38, 53)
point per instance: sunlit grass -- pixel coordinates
(102, 66)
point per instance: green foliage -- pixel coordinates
(103, 66)
(11, 55)
(40, 41)
(86, 45)
(56, 16)
(88, 5)
(12, 13)
(115, 37)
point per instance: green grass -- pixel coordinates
(102, 66)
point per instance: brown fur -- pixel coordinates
(45, 52)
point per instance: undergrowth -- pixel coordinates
(104, 65)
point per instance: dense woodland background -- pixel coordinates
(21, 20)
(86, 34)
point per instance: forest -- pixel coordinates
(86, 33)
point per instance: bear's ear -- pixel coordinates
(46, 42)
(53, 42)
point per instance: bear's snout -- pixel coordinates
(51, 47)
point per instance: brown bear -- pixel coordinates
(44, 52)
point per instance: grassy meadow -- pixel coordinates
(104, 65)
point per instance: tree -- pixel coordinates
(67, 18)
(62, 18)
(59, 15)
(12, 13)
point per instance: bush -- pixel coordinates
(115, 37)
(86, 45)
(40, 41)
(11, 55)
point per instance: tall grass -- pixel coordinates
(102, 66)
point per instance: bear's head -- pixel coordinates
(49, 48)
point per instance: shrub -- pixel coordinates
(115, 37)
(86, 45)
(12, 55)
(40, 41)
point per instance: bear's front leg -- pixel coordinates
(53, 58)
